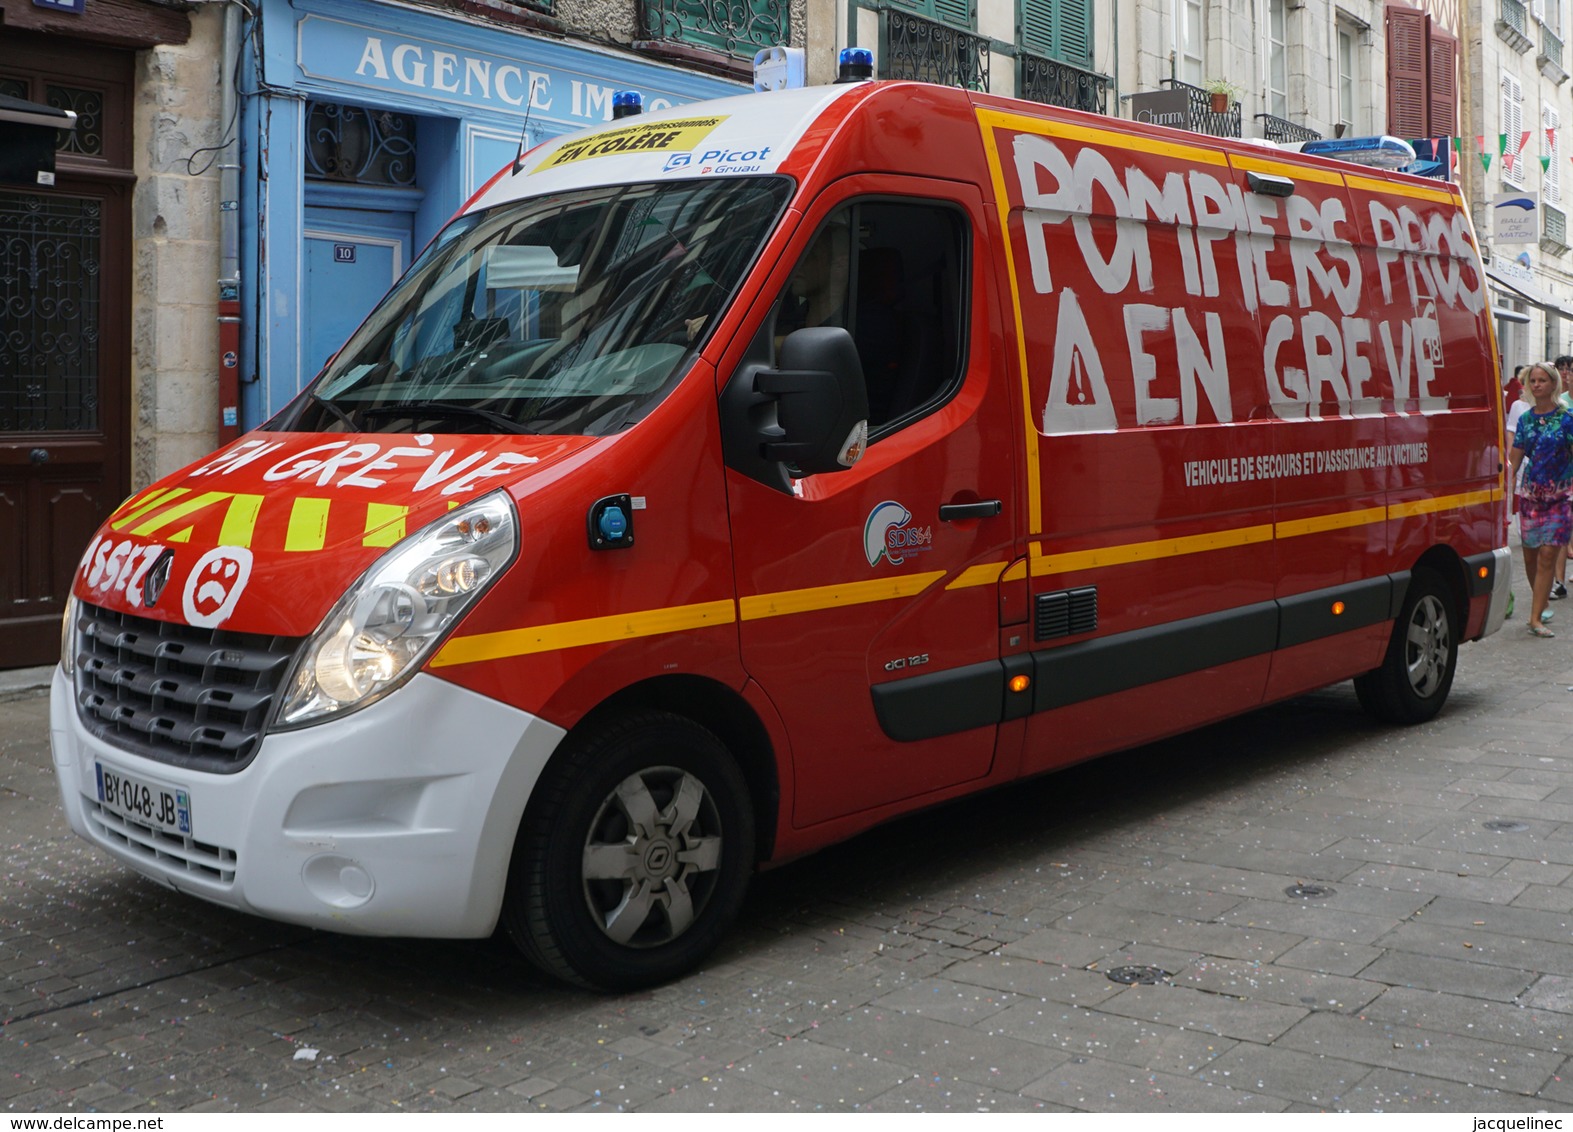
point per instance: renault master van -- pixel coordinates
(723, 482)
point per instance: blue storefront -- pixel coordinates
(364, 127)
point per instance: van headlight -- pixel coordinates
(68, 638)
(381, 631)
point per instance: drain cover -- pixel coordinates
(1146, 976)
(1308, 891)
(1506, 826)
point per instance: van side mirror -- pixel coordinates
(808, 413)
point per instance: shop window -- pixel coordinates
(894, 276)
(360, 146)
(1422, 76)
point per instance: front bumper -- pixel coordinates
(398, 819)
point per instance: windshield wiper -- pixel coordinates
(445, 409)
(337, 413)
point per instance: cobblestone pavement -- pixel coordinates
(956, 960)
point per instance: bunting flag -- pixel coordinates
(1458, 144)
(1523, 141)
(1502, 144)
(1545, 163)
(1551, 137)
(1485, 162)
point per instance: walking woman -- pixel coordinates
(1543, 444)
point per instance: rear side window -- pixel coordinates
(893, 275)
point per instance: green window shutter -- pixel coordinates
(1073, 32)
(956, 13)
(1037, 26)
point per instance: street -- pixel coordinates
(1333, 915)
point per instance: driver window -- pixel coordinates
(891, 274)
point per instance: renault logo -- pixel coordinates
(157, 578)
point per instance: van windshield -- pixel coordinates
(569, 314)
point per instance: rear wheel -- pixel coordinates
(1417, 673)
(634, 856)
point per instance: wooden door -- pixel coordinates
(64, 342)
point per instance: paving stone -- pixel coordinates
(1312, 919)
(1191, 1009)
(1095, 1085)
(1079, 1032)
(1468, 887)
(1450, 1057)
(931, 1095)
(1482, 948)
(1311, 1079)
(941, 1050)
(821, 1074)
(1501, 788)
(1180, 934)
(1386, 1090)
(734, 1092)
(1523, 1023)
(1065, 948)
(945, 999)
(1274, 982)
(1031, 979)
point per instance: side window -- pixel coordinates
(893, 274)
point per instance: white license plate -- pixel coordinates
(162, 807)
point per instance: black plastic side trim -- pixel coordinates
(1310, 617)
(1400, 580)
(941, 703)
(1079, 672)
(1478, 586)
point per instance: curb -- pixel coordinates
(18, 683)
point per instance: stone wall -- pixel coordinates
(175, 252)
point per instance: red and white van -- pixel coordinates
(575, 588)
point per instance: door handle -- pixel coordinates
(982, 509)
(39, 455)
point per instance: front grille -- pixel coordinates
(194, 698)
(173, 853)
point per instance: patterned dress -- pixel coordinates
(1546, 440)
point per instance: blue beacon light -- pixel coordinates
(855, 65)
(626, 103)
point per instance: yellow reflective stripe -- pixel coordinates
(1147, 551)
(1319, 523)
(1442, 503)
(592, 631)
(180, 511)
(1096, 136)
(148, 502)
(1282, 169)
(1372, 185)
(308, 524)
(782, 602)
(984, 575)
(384, 524)
(1030, 427)
(240, 521)
(181, 536)
(1017, 571)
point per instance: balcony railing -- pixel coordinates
(1202, 118)
(1513, 26)
(1059, 84)
(1550, 58)
(1276, 129)
(734, 27)
(911, 47)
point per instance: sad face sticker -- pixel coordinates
(215, 585)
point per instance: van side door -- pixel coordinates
(860, 612)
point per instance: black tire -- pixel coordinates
(1417, 673)
(657, 800)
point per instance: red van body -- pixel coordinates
(1161, 428)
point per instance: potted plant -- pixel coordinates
(1223, 92)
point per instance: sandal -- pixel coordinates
(1540, 631)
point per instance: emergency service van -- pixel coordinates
(722, 482)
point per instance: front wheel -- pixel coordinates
(634, 856)
(1417, 673)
